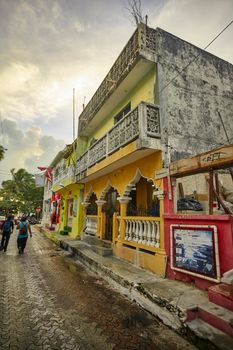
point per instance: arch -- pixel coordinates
(87, 198)
(92, 208)
(132, 183)
(105, 190)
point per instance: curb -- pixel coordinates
(171, 315)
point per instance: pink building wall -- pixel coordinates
(224, 224)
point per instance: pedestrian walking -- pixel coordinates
(24, 228)
(7, 229)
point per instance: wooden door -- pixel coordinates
(111, 208)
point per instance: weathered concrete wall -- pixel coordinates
(189, 105)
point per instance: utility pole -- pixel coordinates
(73, 114)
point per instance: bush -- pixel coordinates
(64, 232)
(67, 228)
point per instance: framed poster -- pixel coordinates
(194, 250)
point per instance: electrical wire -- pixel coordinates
(196, 57)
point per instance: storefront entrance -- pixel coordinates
(69, 217)
(111, 206)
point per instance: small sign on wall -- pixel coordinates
(194, 250)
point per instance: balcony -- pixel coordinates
(63, 175)
(141, 124)
(135, 60)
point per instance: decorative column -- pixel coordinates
(160, 195)
(100, 219)
(123, 213)
(85, 205)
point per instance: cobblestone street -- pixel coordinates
(48, 302)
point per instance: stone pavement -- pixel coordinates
(49, 302)
(168, 300)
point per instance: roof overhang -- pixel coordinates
(140, 70)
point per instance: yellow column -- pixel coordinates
(123, 213)
(84, 205)
(100, 219)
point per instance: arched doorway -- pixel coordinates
(92, 207)
(143, 202)
(110, 207)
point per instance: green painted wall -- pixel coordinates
(143, 91)
(74, 193)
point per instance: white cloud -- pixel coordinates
(49, 48)
(26, 149)
(199, 22)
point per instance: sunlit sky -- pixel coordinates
(49, 47)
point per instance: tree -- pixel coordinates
(135, 10)
(20, 193)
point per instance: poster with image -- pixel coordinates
(193, 250)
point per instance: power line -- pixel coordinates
(203, 92)
(195, 58)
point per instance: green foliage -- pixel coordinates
(63, 233)
(68, 228)
(20, 193)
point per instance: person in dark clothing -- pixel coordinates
(24, 229)
(7, 229)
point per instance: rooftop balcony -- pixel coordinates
(65, 177)
(141, 126)
(135, 60)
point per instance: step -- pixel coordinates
(215, 336)
(90, 239)
(102, 250)
(222, 294)
(93, 240)
(217, 316)
(228, 277)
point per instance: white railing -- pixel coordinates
(91, 225)
(143, 40)
(69, 172)
(142, 122)
(142, 231)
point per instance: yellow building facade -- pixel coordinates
(119, 152)
(71, 193)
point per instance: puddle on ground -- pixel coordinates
(137, 320)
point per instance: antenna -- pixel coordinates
(73, 114)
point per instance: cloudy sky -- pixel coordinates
(49, 47)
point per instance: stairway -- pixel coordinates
(103, 248)
(214, 319)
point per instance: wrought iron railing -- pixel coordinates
(143, 40)
(141, 122)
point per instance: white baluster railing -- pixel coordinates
(144, 231)
(91, 225)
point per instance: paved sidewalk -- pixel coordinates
(169, 300)
(47, 301)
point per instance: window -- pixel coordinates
(122, 113)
